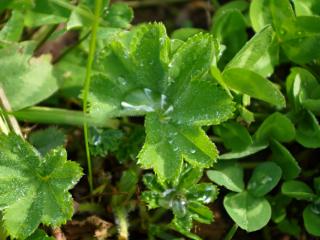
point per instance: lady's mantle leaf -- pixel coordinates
(140, 75)
(33, 189)
(26, 80)
(167, 143)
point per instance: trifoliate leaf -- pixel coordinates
(26, 80)
(34, 189)
(140, 75)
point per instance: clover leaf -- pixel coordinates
(139, 73)
(34, 189)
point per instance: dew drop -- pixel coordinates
(193, 151)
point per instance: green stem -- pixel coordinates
(48, 115)
(80, 11)
(231, 232)
(92, 49)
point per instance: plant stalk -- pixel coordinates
(61, 116)
(92, 49)
(231, 232)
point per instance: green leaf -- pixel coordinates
(311, 221)
(103, 141)
(291, 227)
(282, 157)
(250, 213)
(34, 189)
(173, 90)
(234, 136)
(258, 54)
(282, 15)
(306, 7)
(26, 80)
(250, 150)
(200, 212)
(300, 37)
(12, 31)
(260, 14)
(47, 139)
(308, 130)
(316, 185)
(166, 144)
(119, 15)
(276, 126)
(203, 193)
(39, 235)
(264, 178)
(297, 189)
(229, 27)
(300, 85)
(202, 103)
(127, 185)
(279, 203)
(229, 175)
(190, 62)
(184, 33)
(254, 85)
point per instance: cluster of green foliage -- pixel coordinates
(197, 91)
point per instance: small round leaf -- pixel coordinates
(264, 178)
(249, 212)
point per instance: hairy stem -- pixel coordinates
(92, 49)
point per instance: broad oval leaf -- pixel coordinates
(229, 27)
(285, 160)
(264, 178)
(276, 126)
(258, 55)
(254, 85)
(297, 189)
(308, 130)
(250, 213)
(311, 221)
(34, 189)
(260, 14)
(300, 37)
(234, 136)
(307, 7)
(229, 175)
(26, 80)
